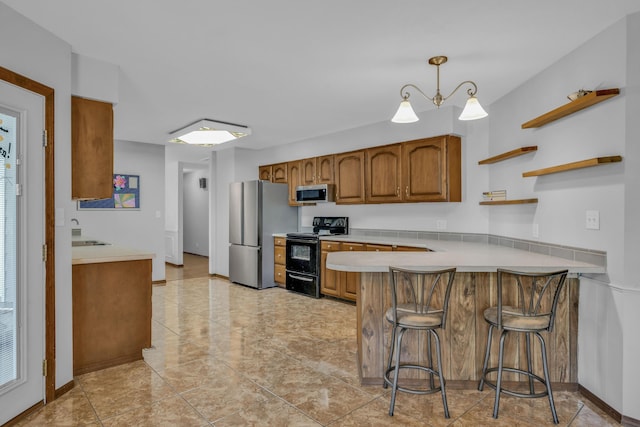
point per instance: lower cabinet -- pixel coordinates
(111, 313)
(279, 264)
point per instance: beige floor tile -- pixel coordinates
(194, 374)
(429, 407)
(376, 414)
(272, 412)
(592, 416)
(224, 396)
(173, 411)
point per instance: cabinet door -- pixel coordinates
(308, 172)
(264, 173)
(91, 149)
(431, 170)
(294, 180)
(279, 173)
(383, 174)
(351, 281)
(330, 280)
(349, 169)
(324, 169)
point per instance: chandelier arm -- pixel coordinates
(470, 91)
(405, 95)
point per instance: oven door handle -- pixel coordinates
(304, 279)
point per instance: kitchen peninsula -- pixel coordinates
(473, 291)
(111, 305)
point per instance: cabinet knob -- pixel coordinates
(398, 191)
(406, 191)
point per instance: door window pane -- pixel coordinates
(8, 250)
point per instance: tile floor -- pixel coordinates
(227, 355)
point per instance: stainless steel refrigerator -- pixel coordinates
(257, 209)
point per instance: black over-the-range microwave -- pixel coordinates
(315, 193)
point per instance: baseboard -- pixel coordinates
(600, 404)
(65, 389)
(174, 265)
(219, 276)
(159, 282)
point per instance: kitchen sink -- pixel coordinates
(88, 243)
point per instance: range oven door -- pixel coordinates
(303, 256)
(303, 283)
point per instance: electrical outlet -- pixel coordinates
(441, 224)
(592, 220)
(535, 230)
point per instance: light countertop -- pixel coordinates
(465, 256)
(105, 253)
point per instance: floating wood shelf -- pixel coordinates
(575, 165)
(509, 154)
(586, 101)
(509, 202)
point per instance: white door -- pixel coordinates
(22, 275)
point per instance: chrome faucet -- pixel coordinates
(75, 220)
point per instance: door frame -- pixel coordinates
(49, 226)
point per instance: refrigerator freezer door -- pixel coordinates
(244, 265)
(235, 213)
(251, 213)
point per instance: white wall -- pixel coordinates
(35, 53)
(141, 229)
(196, 213)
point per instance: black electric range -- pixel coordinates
(303, 254)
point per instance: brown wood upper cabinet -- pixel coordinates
(324, 169)
(91, 149)
(431, 169)
(264, 172)
(279, 173)
(308, 172)
(384, 174)
(349, 170)
(295, 173)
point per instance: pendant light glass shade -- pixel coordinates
(405, 113)
(472, 110)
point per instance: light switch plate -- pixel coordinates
(592, 220)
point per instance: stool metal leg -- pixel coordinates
(440, 373)
(391, 351)
(486, 359)
(547, 380)
(430, 359)
(529, 368)
(394, 388)
(496, 404)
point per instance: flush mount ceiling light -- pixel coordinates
(472, 110)
(208, 133)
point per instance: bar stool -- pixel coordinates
(420, 299)
(529, 309)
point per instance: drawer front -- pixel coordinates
(378, 248)
(279, 241)
(279, 274)
(410, 249)
(346, 246)
(279, 255)
(328, 246)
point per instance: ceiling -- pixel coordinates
(295, 69)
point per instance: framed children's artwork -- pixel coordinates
(126, 195)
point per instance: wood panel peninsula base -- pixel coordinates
(464, 339)
(111, 313)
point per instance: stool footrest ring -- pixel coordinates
(512, 392)
(405, 389)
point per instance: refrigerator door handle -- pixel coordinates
(304, 279)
